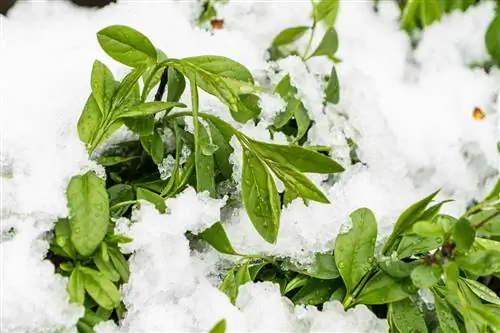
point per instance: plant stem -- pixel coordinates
(122, 204)
(309, 42)
(486, 220)
(196, 124)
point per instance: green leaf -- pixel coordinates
(480, 263)
(424, 276)
(216, 236)
(102, 290)
(154, 146)
(106, 268)
(143, 126)
(89, 121)
(382, 289)
(220, 327)
(463, 235)
(354, 250)
(103, 86)
(300, 158)
(407, 316)
(75, 287)
(491, 227)
(405, 222)
(127, 86)
(260, 197)
(155, 71)
(119, 263)
(84, 327)
(486, 244)
(296, 282)
(427, 229)
(242, 276)
(396, 268)
(155, 199)
(63, 235)
(302, 119)
(224, 151)
(205, 164)
(409, 15)
(148, 108)
(297, 182)
(447, 321)
(414, 244)
(89, 212)
(326, 11)
(115, 160)
(120, 193)
(495, 192)
(430, 11)
(323, 267)
(328, 45)
(316, 291)
(332, 90)
(176, 85)
(127, 45)
(482, 291)
(219, 66)
(289, 35)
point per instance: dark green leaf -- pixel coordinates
(127, 86)
(75, 287)
(89, 212)
(155, 199)
(142, 126)
(248, 107)
(216, 236)
(127, 45)
(407, 316)
(223, 153)
(332, 90)
(154, 146)
(289, 35)
(482, 291)
(148, 108)
(424, 276)
(405, 222)
(298, 157)
(447, 321)
(323, 267)
(83, 327)
(120, 193)
(463, 235)
(316, 291)
(176, 85)
(495, 192)
(382, 289)
(220, 327)
(296, 282)
(114, 160)
(354, 250)
(102, 290)
(328, 45)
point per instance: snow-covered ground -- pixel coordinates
(409, 110)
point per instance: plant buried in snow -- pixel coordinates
(426, 250)
(85, 247)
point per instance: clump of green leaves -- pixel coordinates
(456, 259)
(152, 167)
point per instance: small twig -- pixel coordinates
(162, 85)
(486, 220)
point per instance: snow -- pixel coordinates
(409, 111)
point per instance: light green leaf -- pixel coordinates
(396, 268)
(323, 267)
(463, 235)
(205, 164)
(405, 222)
(89, 212)
(354, 250)
(89, 121)
(148, 108)
(63, 235)
(407, 316)
(220, 66)
(489, 228)
(126, 87)
(409, 15)
(289, 35)
(75, 287)
(220, 327)
(447, 321)
(495, 192)
(480, 263)
(260, 197)
(102, 290)
(316, 291)
(143, 126)
(127, 45)
(427, 229)
(332, 90)
(414, 244)
(326, 11)
(296, 282)
(115, 160)
(424, 276)
(106, 268)
(382, 289)
(154, 146)
(119, 263)
(155, 199)
(482, 291)
(297, 182)
(430, 11)
(300, 158)
(328, 45)
(216, 236)
(103, 86)
(120, 193)
(486, 244)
